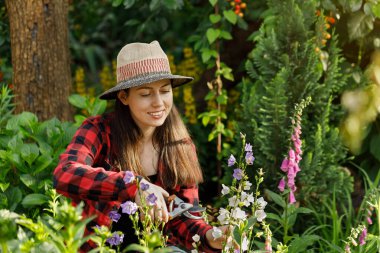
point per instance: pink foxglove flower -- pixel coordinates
(292, 198)
(281, 185)
(290, 164)
(363, 236)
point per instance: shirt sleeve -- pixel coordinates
(76, 178)
(181, 229)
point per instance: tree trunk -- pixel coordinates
(40, 57)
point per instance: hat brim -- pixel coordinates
(177, 81)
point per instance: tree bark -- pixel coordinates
(40, 57)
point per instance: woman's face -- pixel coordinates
(149, 104)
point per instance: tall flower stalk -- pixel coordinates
(290, 164)
(245, 208)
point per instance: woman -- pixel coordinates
(144, 135)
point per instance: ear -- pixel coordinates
(123, 97)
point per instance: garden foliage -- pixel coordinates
(290, 62)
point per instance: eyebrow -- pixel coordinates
(150, 88)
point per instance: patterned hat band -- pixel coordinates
(142, 63)
(146, 66)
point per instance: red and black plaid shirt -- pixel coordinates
(85, 173)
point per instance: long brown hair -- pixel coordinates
(176, 151)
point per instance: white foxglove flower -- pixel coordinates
(224, 216)
(216, 233)
(244, 244)
(260, 215)
(194, 251)
(247, 199)
(238, 214)
(225, 189)
(261, 203)
(247, 185)
(196, 238)
(233, 201)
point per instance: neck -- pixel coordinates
(148, 134)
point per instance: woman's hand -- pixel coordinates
(219, 242)
(159, 212)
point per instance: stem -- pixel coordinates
(4, 247)
(286, 221)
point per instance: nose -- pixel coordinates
(157, 100)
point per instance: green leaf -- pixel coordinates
(128, 3)
(376, 10)
(136, 247)
(42, 163)
(29, 152)
(116, 3)
(231, 16)
(374, 147)
(225, 35)
(78, 101)
(132, 22)
(222, 99)
(154, 4)
(205, 120)
(236, 234)
(4, 186)
(276, 198)
(29, 181)
(300, 244)
(34, 199)
(212, 34)
(26, 119)
(359, 25)
(215, 18)
(14, 196)
(213, 2)
(99, 107)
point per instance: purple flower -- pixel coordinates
(369, 220)
(238, 174)
(129, 177)
(151, 199)
(362, 237)
(144, 186)
(115, 239)
(248, 147)
(129, 207)
(231, 161)
(114, 215)
(249, 158)
(281, 185)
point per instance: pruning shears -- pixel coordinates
(178, 207)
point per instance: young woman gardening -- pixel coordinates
(144, 135)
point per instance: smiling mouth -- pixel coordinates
(156, 114)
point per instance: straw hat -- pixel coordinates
(141, 63)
